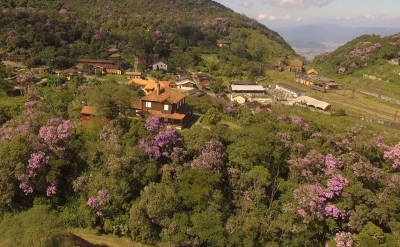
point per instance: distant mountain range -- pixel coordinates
(313, 39)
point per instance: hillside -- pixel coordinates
(57, 33)
(367, 54)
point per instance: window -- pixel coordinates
(148, 104)
(165, 107)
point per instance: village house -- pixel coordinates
(101, 66)
(89, 113)
(312, 73)
(315, 81)
(94, 62)
(114, 57)
(238, 98)
(165, 103)
(69, 73)
(221, 43)
(113, 69)
(327, 83)
(133, 75)
(185, 83)
(295, 66)
(159, 66)
(112, 49)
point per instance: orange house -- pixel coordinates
(149, 86)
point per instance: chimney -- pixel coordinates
(158, 88)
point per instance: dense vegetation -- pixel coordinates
(367, 54)
(180, 32)
(288, 177)
(277, 180)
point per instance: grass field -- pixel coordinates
(103, 240)
(117, 78)
(12, 101)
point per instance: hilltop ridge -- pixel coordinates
(180, 32)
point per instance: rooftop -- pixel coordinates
(247, 88)
(296, 63)
(166, 95)
(313, 102)
(88, 110)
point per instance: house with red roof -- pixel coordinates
(88, 113)
(166, 103)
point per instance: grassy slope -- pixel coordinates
(359, 105)
(377, 63)
(104, 240)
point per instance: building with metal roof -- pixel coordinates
(311, 102)
(247, 89)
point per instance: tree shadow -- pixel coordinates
(84, 243)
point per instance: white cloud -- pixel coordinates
(301, 4)
(262, 17)
(247, 4)
(285, 18)
(343, 18)
(371, 17)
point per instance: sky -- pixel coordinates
(348, 13)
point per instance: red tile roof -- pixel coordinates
(166, 95)
(88, 110)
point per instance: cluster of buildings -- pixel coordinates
(315, 81)
(249, 92)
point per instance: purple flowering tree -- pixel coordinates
(286, 139)
(36, 163)
(343, 239)
(56, 133)
(212, 157)
(394, 155)
(97, 203)
(154, 123)
(231, 108)
(167, 144)
(52, 188)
